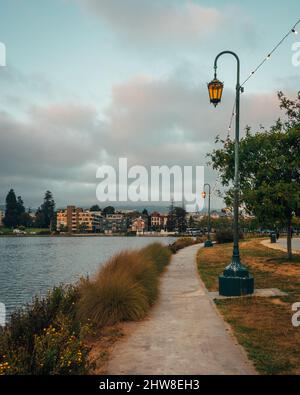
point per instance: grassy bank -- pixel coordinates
(54, 335)
(262, 325)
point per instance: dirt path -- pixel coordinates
(184, 333)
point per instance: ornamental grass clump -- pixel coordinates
(159, 254)
(181, 243)
(125, 287)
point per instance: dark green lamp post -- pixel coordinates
(236, 279)
(208, 242)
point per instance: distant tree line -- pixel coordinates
(16, 214)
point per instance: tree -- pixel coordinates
(171, 223)
(108, 210)
(45, 215)
(180, 219)
(26, 220)
(145, 213)
(191, 222)
(20, 209)
(95, 207)
(269, 170)
(11, 210)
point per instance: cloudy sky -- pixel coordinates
(89, 81)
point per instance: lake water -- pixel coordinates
(32, 265)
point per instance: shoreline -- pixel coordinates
(92, 235)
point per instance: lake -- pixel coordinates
(31, 266)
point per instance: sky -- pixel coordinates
(89, 81)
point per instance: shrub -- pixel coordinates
(24, 340)
(226, 236)
(181, 243)
(59, 351)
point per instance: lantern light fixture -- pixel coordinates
(215, 89)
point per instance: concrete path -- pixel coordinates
(184, 334)
(282, 245)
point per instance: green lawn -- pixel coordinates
(262, 325)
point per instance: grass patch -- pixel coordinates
(262, 325)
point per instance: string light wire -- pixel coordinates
(268, 57)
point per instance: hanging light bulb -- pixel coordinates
(294, 31)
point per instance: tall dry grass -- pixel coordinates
(124, 288)
(159, 255)
(181, 243)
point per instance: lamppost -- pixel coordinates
(208, 242)
(236, 279)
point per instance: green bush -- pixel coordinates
(226, 236)
(24, 342)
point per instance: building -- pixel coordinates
(158, 221)
(76, 220)
(138, 226)
(1, 218)
(115, 223)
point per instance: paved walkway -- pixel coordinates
(281, 245)
(184, 334)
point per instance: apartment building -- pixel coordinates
(115, 223)
(158, 220)
(76, 220)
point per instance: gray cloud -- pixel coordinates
(170, 23)
(149, 121)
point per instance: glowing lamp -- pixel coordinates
(215, 90)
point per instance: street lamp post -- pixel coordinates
(236, 279)
(208, 242)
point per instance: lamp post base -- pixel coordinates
(208, 244)
(236, 286)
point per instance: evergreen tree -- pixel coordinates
(11, 210)
(20, 210)
(26, 220)
(45, 215)
(180, 219)
(171, 223)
